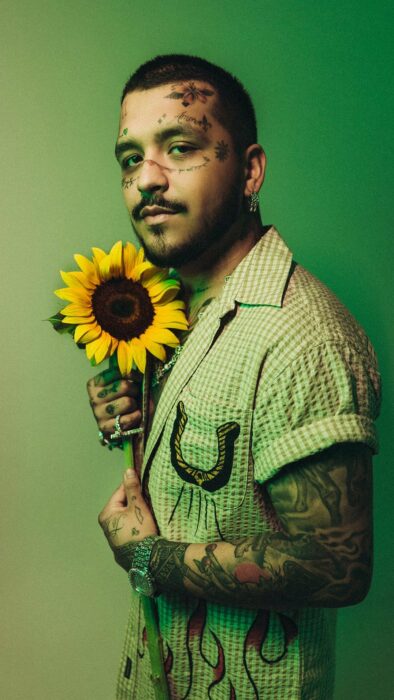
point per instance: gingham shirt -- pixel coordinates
(276, 369)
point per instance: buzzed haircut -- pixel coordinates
(234, 108)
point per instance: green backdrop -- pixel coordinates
(320, 74)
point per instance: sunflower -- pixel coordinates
(119, 302)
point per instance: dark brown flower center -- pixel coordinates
(123, 308)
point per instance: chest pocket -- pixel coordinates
(208, 462)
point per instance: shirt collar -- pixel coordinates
(261, 276)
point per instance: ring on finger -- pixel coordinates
(118, 430)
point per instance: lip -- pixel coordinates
(158, 218)
(149, 212)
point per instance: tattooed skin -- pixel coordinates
(321, 558)
(110, 409)
(202, 123)
(109, 390)
(127, 182)
(222, 150)
(189, 93)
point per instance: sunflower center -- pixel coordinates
(123, 308)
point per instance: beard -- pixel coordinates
(210, 234)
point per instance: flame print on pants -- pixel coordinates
(209, 480)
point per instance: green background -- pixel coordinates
(320, 74)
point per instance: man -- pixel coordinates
(257, 470)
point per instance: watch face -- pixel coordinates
(141, 582)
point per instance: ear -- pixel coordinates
(255, 162)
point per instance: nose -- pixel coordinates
(152, 177)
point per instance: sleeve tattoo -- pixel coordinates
(320, 558)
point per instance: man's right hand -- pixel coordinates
(112, 395)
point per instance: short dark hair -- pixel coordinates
(234, 109)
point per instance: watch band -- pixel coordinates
(140, 576)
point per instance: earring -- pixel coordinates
(253, 201)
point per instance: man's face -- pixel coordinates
(181, 179)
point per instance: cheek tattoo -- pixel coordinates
(222, 150)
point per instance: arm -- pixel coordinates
(321, 558)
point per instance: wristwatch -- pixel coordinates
(140, 576)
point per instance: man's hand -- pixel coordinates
(127, 519)
(111, 395)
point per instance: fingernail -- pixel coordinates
(129, 473)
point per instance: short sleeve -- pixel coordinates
(326, 395)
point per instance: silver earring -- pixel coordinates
(253, 201)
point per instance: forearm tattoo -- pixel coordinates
(322, 558)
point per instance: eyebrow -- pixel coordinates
(160, 137)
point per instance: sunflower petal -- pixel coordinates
(139, 352)
(76, 310)
(161, 287)
(77, 280)
(125, 357)
(162, 335)
(87, 266)
(140, 256)
(76, 296)
(98, 254)
(149, 278)
(154, 348)
(92, 347)
(129, 258)
(78, 319)
(165, 296)
(102, 351)
(138, 270)
(86, 332)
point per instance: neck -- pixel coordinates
(205, 277)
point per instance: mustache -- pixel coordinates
(158, 201)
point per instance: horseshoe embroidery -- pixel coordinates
(216, 477)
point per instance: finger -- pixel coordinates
(103, 378)
(119, 407)
(132, 485)
(126, 422)
(113, 390)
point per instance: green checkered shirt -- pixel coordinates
(277, 355)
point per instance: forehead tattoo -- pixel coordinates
(189, 93)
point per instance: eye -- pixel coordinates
(129, 161)
(180, 149)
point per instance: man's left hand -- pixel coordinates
(127, 519)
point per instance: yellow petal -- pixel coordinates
(87, 266)
(162, 314)
(154, 348)
(125, 357)
(92, 347)
(161, 287)
(172, 324)
(139, 353)
(129, 258)
(164, 297)
(138, 270)
(77, 280)
(102, 351)
(161, 335)
(116, 259)
(150, 278)
(86, 332)
(105, 268)
(140, 256)
(78, 319)
(98, 254)
(76, 296)
(76, 310)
